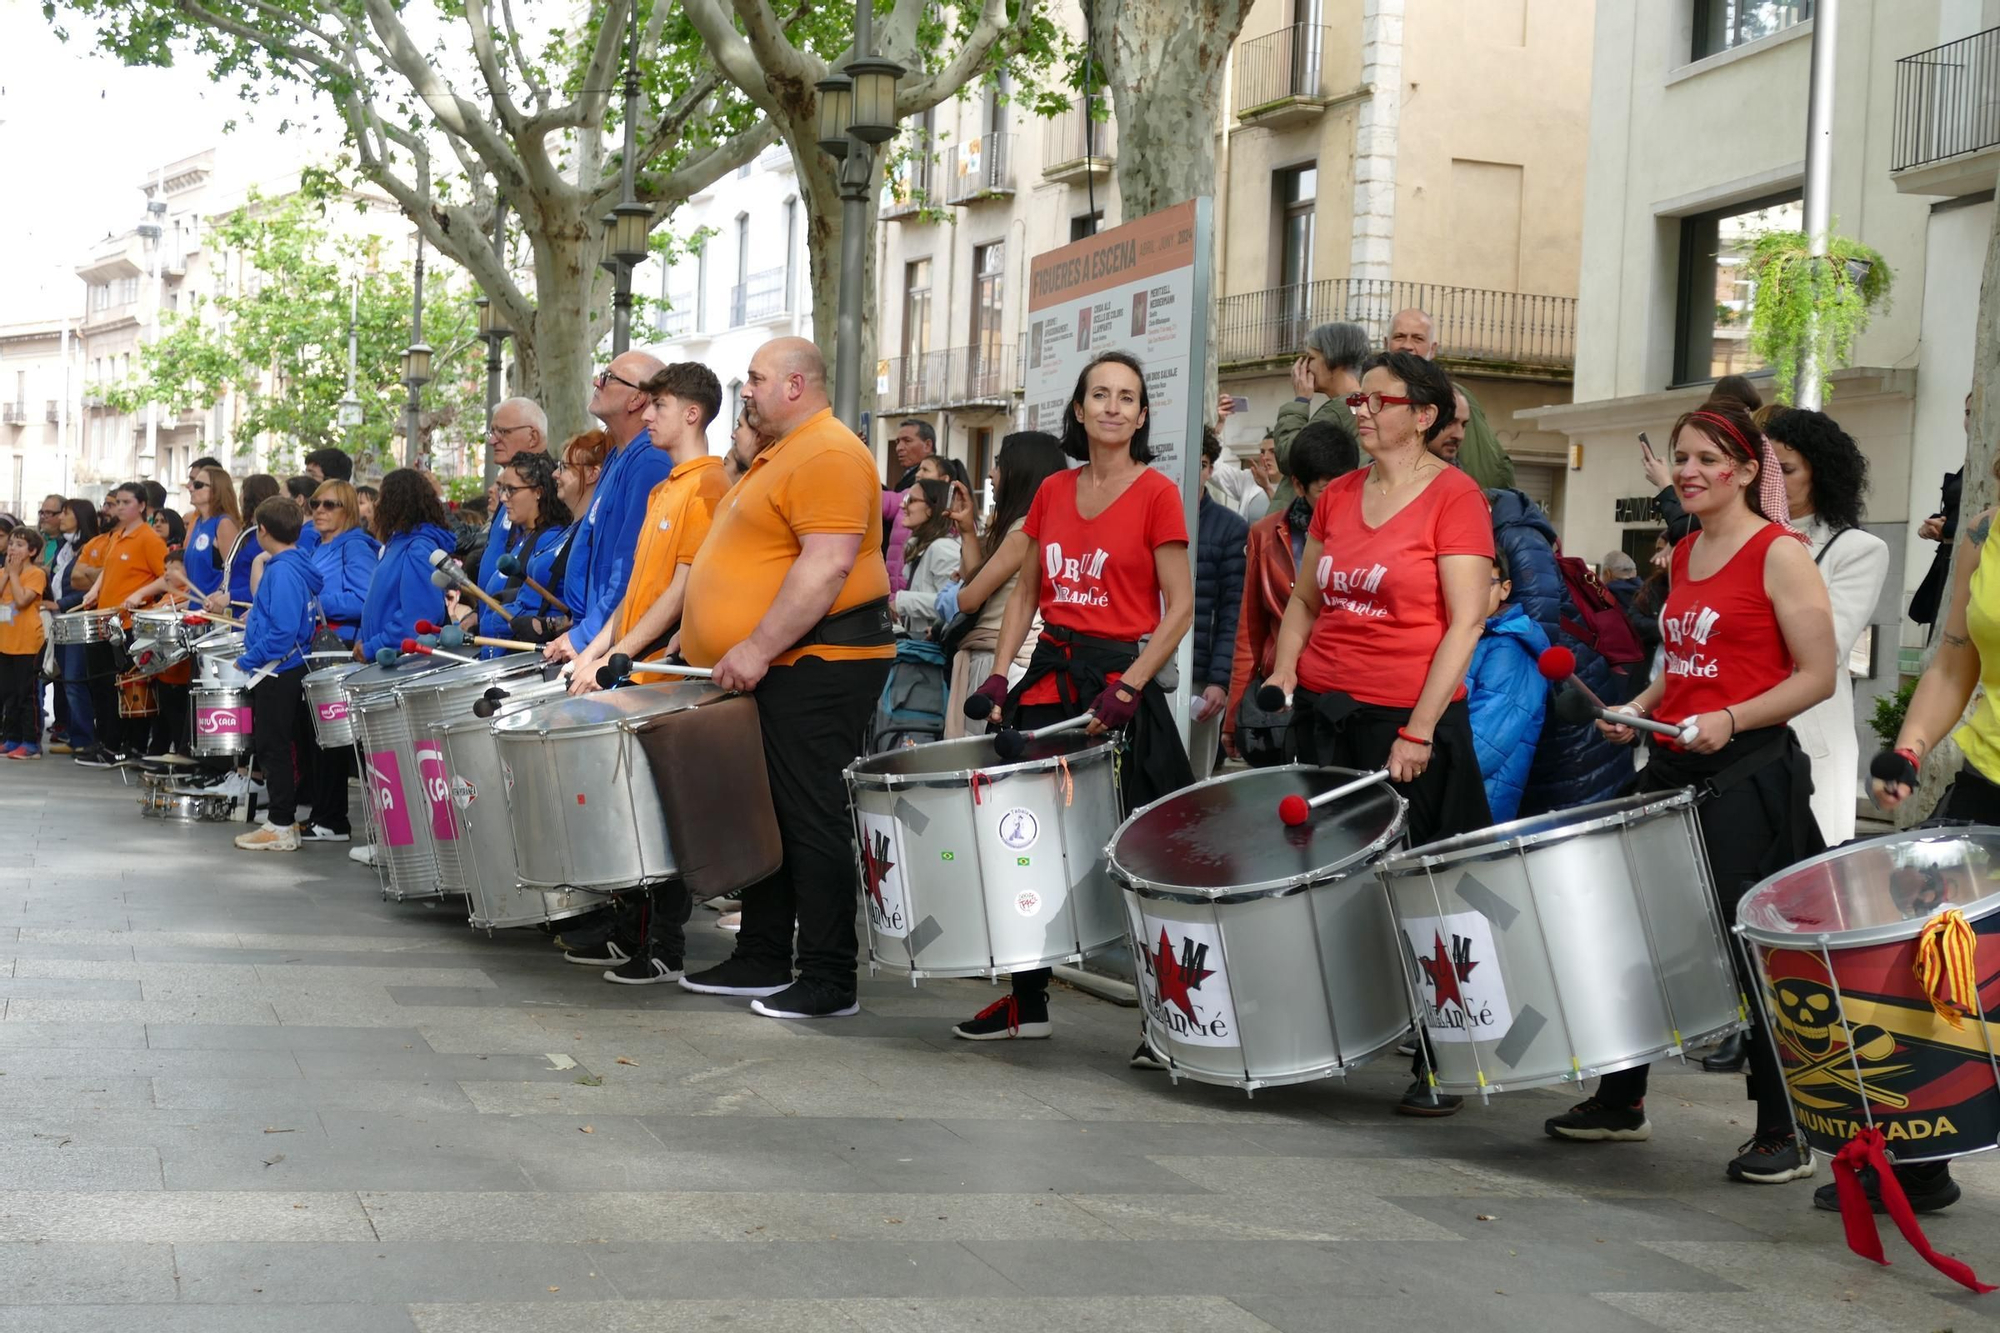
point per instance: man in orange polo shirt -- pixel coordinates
(134, 556)
(685, 398)
(789, 599)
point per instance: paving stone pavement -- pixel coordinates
(243, 1093)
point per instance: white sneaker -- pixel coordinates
(319, 833)
(270, 838)
(364, 854)
(235, 786)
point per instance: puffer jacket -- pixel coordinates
(1574, 764)
(1221, 537)
(1507, 698)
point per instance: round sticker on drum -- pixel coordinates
(1019, 828)
(1027, 902)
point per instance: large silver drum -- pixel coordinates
(92, 626)
(972, 866)
(1267, 953)
(484, 868)
(1557, 948)
(221, 721)
(401, 824)
(326, 699)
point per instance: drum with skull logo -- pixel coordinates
(1856, 951)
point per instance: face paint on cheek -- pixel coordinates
(1727, 474)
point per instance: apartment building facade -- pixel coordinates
(37, 411)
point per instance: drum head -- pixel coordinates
(1878, 890)
(1223, 840)
(963, 756)
(374, 677)
(609, 708)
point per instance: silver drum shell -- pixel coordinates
(585, 812)
(1606, 940)
(395, 819)
(221, 721)
(1005, 878)
(217, 654)
(76, 627)
(326, 698)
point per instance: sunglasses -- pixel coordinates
(326, 504)
(198, 486)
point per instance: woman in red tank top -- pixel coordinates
(1747, 637)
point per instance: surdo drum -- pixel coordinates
(400, 824)
(326, 699)
(1564, 946)
(1266, 953)
(1867, 1035)
(972, 865)
(221, 721)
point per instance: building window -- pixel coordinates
(916, 308)
(1086, 226)
(1712, 322)
(738, 294)
(701, 287)
(1723, 25)
(1296, 194)
(989, 276)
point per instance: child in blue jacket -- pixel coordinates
(1506, 695)
(277, 634)
(411, 520)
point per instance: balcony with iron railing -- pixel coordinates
(980, 168)
(677, 320)
(14, 414)
(1945, 138)
(911, 180)
(760, 298)
(1517, 332)
(54, 413)
(1281, 77)
(1075, 145)
(955, 379)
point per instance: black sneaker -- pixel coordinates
(605, 953)
(732, 976)
(1592, 1121)
(1143, 1058)
(1927, 1185)
(95, 756)
(1424, 1100)
(642, 972)
(806, 998)
(1771, 1159)
(310, 832)
(1008, 1017)
(1729, 1057)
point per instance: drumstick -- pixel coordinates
(1296, 809)
(454, 573)
(1010, 744)
(620, 665)
(1558, 664)
(510, 565)
(451, 636)
(422, 649)
(210, 617)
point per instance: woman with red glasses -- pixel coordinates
(1390, 600)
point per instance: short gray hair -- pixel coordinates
(530, 409)
(1341, 346)
(1619, 565)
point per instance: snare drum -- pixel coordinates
(217, 653)
(158, 800)
(326, 698)
(1573, 944)
(221, 722)
(1267, 954)
(972, 866)
(158, 639)
(93, 626)
(1835, 941)
(400, 826)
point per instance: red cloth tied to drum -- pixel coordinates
(1868, 1149)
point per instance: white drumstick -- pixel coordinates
(1296, 809)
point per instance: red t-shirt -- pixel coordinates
(1720, 635)
(1382, 611)
(1098, 576)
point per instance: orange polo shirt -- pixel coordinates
(21, 626)
(818, 479)
(679, 513)
(131, 561)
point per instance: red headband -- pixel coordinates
(1727, 425)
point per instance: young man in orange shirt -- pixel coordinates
(134, 556)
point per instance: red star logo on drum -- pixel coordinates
(1445, 973)
(1175, 980)
(875, 867)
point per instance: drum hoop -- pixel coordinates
(1099, 752)
(1365, 859)
(627, 723)
(1864, 936)
(1497, 842)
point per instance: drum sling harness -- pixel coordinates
(1082, 664)
(868, 625)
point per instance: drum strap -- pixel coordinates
(868, 625)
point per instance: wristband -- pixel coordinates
(1732, 723)
(1424, 741)
(1911, 755)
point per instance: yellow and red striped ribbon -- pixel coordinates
(1944, 967)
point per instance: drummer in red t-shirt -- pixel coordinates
(1390, 600)
(1747, 633)
(1107, 567)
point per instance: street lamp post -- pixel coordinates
(630, 220)
(857, 113)
(416, 367)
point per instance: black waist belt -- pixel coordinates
(868, 625)
(1059, 634)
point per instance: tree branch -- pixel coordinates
(489, 65)
(775, 54)
(684, 181)
(674, 119)
(979, 45)
(601, 74)
(453, 113)
(536, 87)
(730, 52)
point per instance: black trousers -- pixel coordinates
(100, 674)
(813, 714)
(324, 783)
(277, 706)
(21, 698)
(1448, 798)
(170, 724)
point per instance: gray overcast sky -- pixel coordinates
(79, 132)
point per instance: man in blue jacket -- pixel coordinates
(276, 637)
(610, 527)
(1220, 541)
(519, 427)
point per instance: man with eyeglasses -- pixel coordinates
(609, 530)
(1480, 455)
(519, 427)
(48, 520)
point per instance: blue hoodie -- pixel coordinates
(1507, 697)
(617, 511)
(402, 593)
(525, 600)
(347, 564)
(279, 628)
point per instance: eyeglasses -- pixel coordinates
(505, 489)
(328, 503)
(509, 430)
(604, 375)
(1375, 402)
(50, 513)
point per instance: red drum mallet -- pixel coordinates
(424, 649)
(1296, 810)
(1577, 703)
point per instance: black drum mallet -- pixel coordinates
(1296, 809)
(1011, 744)
(510, 565)
(1576, 702)
(620, 665)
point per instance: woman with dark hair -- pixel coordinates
(1374, 647)
(989, 563)
(936, 467)
(411, 524)
(538, 524)
(1748, 636)
(930, 558)
(364, 501)
(1107, 566)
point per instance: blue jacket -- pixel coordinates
(1221, 537)
(203, 561)
(539, 558)
(499, 534)
(1574, 764)
(347, 564)
(617, 511)
(280, 625)
(402, 593)
(1507, 697)
(247, 551)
